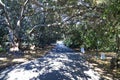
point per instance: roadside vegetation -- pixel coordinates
(29, 27)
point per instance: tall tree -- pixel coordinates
(13, 19)
(112, 16)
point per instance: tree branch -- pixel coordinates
(37, 3)
(23, 8)
(62, 23)
(2, 5)
(7, 19)
(22, 12)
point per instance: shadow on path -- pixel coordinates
(61, 63)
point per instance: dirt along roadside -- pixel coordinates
(7, 59)
(102, 66)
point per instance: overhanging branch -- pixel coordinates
(62, 23)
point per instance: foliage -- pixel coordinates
(3, 33)
(99, 28)
(83, 22)
(74, 37)
(112, 15)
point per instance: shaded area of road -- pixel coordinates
(61, 63)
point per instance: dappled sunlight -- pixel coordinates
(61, 63)
(3, 59)
(36, 37)
(28, 56)
(12, 58)
(33, 52)
(19, 60)
(102, 66)
(32, 47)
(14, 48)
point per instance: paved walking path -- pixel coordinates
(61, 63)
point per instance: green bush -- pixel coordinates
(1, 49)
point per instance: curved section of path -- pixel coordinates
(61, 63)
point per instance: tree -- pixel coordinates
(112, 15)
(13, 19)
(42, 22)
(99, 25)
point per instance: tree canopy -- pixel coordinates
(91, 24)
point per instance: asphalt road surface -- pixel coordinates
(61, 63)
